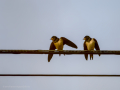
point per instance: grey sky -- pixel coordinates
(29, 24)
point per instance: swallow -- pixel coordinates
(90, 44)
(58, 43)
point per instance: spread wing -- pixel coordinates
(68, 42)
(96, 45)
(52, 47)
(85, 48)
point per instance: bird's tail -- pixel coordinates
(91, 56)
(99, 54)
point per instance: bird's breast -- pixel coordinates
(90, 45)
(59, 44)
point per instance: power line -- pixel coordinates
(62, 75)
(116, 52)
(59, 52)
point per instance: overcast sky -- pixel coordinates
(29, 24)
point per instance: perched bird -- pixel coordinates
(90, 44)
(58, 43)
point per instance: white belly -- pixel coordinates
(59, 44)
(90, 45)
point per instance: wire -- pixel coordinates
(62, 75)
(59, 52)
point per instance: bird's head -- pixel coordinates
(54, 38)
(87, 38)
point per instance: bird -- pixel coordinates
(90, 44)
(58, 43)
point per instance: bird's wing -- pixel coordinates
(85, 48)
(96, 45)
(68, 42)
(52, 47)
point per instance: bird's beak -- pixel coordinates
(83, 38)
(51, 39)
